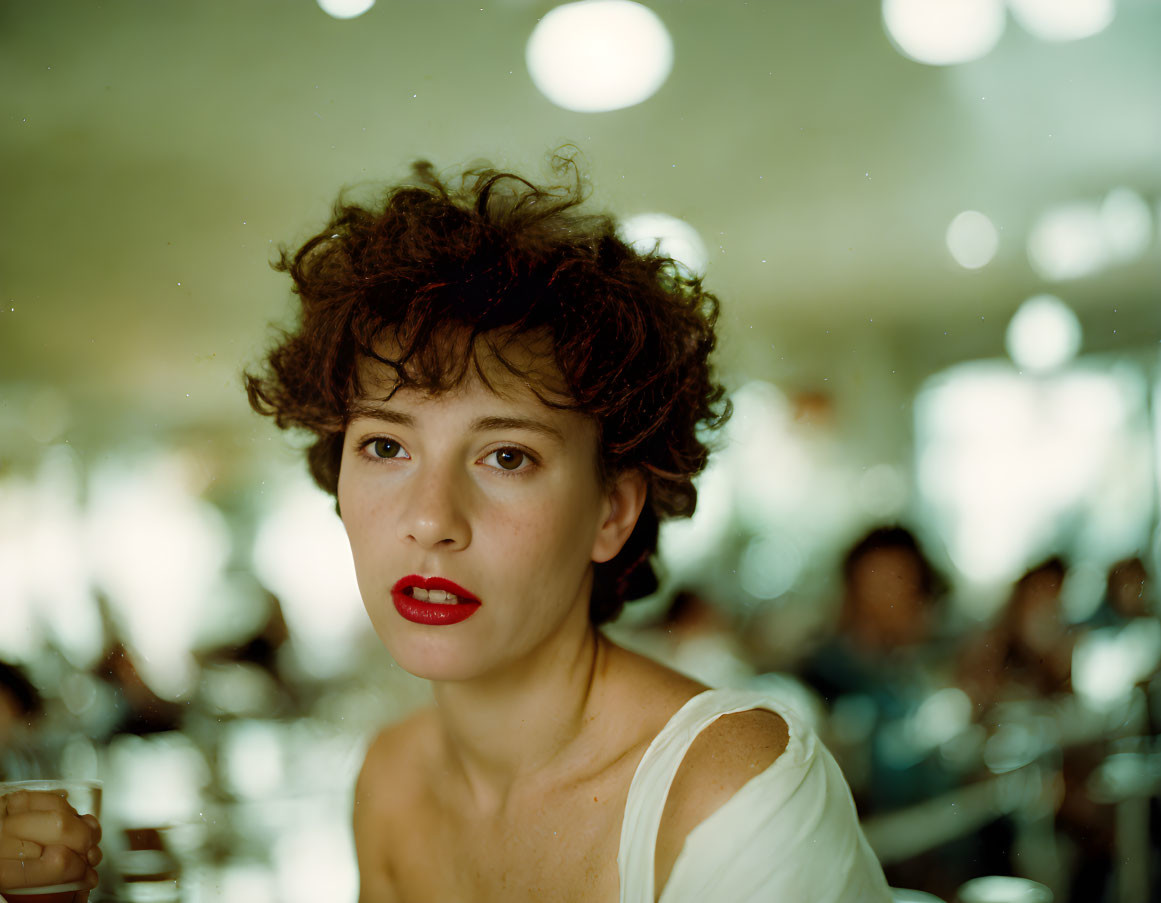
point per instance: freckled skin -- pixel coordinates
(522, 542)
(512, 787)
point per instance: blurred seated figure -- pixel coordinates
(890, 591)
(139, 709)
(1008, 671)
(265, 645)
(882, 650)
(1028, 653)
(1115, 664)
(1126, 595)
(1119, 647)
(250, 678)
(1020, 673)
(886, 660)
(881, 664)
(20, 710)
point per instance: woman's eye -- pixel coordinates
(386, 448)
(509, 458)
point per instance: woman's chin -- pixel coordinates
(437, 672)
(432, 663)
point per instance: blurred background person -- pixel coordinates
(1028, 653)
(21, 709)
(888, 655)
(1127, 595)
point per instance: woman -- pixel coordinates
(505, 400)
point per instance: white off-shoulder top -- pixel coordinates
(790, 835)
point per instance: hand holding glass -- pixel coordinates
(49, 837)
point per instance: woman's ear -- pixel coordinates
(624, 503)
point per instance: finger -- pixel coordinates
(15, 848)
(94, 825)
(13, 873)
(56, 865)
(36, 800)
(51, 828)
(24, 801)
(94, 856)
(61, 864)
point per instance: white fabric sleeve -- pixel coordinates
(790, 834)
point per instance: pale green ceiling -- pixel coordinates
(156, 152)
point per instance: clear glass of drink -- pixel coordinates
(85, 798)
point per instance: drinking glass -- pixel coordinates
(85, 797)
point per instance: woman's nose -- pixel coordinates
(433, 512)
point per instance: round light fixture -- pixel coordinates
(1043, 334)
(669, 236)
(345, 9)
(943, 32)
(1127, 223)
(1067, 241)
(972, 239)
(599, 55)
(1063, 20)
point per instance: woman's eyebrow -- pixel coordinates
(479, 425)
(387, 415)
(488, 424)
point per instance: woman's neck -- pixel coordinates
(503, 732)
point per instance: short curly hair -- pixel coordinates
(494, 255)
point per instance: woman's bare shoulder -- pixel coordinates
(387, 786)
(392, 754)
(649, 690)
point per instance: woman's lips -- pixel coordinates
(426, 611)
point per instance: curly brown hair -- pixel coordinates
(493, 254)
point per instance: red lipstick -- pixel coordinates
(434, 614)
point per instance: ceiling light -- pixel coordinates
(1127, 224)
(943, 32)
(1068, 242)
(599, 55)
(669, 236)
(345, 9)
(972, 239)
(1043, 334)
(1063, 20)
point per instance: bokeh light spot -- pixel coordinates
(972, 239)
(1063, 20)
(769, 567)
(943, 32)
(670, 236)
(1043, 334)
(1127, 224)
(301, 555)
(599, 55)
(345, 9)
(1067, 242)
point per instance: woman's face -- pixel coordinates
(492, 491)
